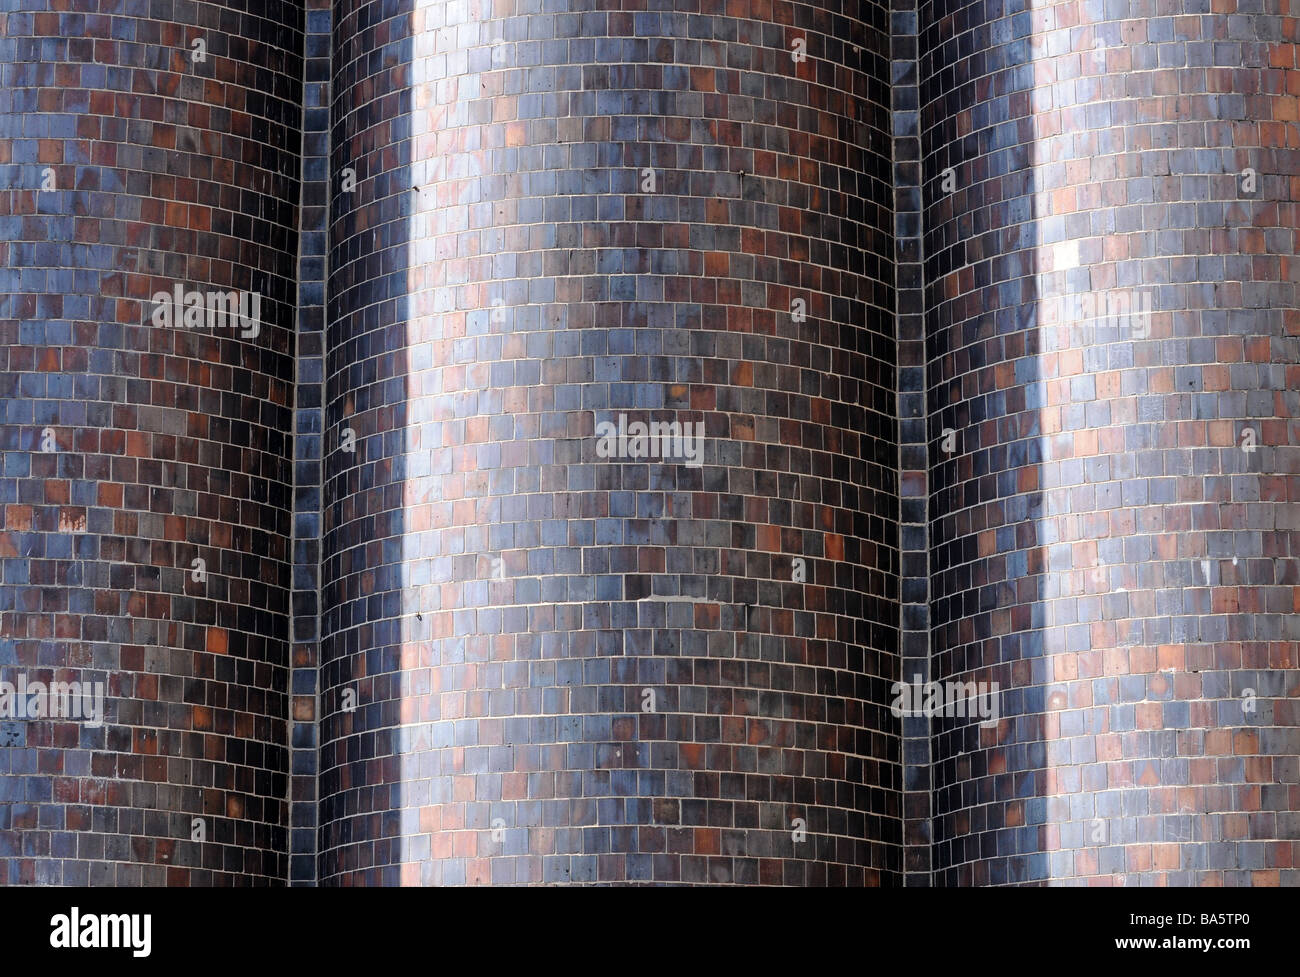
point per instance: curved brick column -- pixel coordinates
(1102, 545)
(167, 444)
(499, 598)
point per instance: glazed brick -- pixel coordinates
(913, 452)
(309, 447)
(434, 609)
(1101, 544)
(500, 283)
(170, 444)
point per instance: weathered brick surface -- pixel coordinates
(170, 444)
(500, 283)
(1101, 544)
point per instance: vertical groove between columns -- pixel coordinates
(308, 447)
(914, 644)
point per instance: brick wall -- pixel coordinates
(1103, 547)
(504, 281)
(166, 445)
(309, 445)
(988, 313)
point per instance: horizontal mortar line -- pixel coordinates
(639, 600)
(613, 742)
(596, 600)
(620, 714)
(863, 119)
(607, 685)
